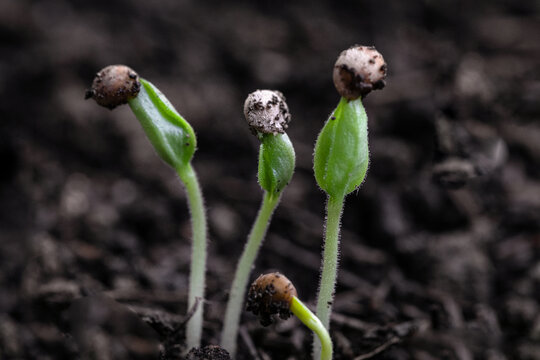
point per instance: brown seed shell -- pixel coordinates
(271, 294)
(114, 85)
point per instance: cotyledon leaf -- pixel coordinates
(170, 134)
(276, 162)
(341, 153)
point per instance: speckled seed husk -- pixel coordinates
(267, 112)
(358, 71)
(270, 294)
(114, 85)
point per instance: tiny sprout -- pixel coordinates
(341, 156)
(174, 140)
(273, 294)
(114, 85)
(267, 115)
(267, 112)
(358, 70)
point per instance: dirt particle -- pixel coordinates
(209, 352)
(88, 94)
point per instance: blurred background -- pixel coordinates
(440, 246)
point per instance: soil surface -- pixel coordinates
(440, 247)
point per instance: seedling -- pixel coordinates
(175, 142)
(268, 116)
(341, 160)
(341, 156)
(273, 294)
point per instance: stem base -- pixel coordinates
(334, 209)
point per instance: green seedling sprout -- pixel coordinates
(174, 141)
(273, 294)
(341, 156)
(268, 116)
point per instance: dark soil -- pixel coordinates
(440, 246)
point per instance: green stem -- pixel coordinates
(334, 208)
(243, 269)
(311, 321)
(198, 253)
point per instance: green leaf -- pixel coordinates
(172, 136)
(276, 162)
(341, 152)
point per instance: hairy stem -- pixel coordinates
(243, 269)
(334, 208)
(305, 315)
(198, 253)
